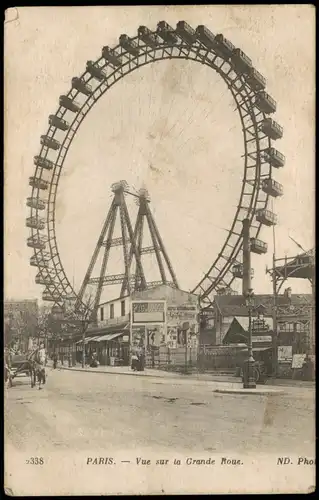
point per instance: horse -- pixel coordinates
(37, 373)
(37, 370)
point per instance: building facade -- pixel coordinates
(292, 314)
(160, 318)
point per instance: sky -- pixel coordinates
(170, 126)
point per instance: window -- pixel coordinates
(102, 314)
(111, 311)
(123, 308)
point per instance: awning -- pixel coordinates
(109, 336)
(258, 349)
(88, 339)
(108, 329)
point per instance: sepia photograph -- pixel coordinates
(159, 250)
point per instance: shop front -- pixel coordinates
(165, 329)
(110, 349)
(113, 349)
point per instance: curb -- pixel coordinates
(145, 374)
(269, 392)
(277, 389)
(83, 370)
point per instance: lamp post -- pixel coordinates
(84, 322)
(57, 316)
(185, 328)
(249, 364)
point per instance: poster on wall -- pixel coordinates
(148, 336)
(179, 336)
(155, 335)
(285, 353)
(182, 325)
(138, 337)
(179, 314)
(171, 337)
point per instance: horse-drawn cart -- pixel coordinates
(17, 364)
(23, 364)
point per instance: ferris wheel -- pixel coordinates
(253, 104)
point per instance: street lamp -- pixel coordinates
(261, 309)
(185, 328)
(249, 364)
(57, 316)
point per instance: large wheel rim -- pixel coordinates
(51, 272)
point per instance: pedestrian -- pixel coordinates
(94, 361)
(134, 360)
(55, 360)
(42, 355)
(308, 368)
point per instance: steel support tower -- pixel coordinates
(145, 220)
(131, 242)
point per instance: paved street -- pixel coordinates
(85, 411)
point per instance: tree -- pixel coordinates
(86, 319)
(43, 321)
(77, 320)
(20, 324)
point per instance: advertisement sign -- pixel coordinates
(172, 337)
(148, 312)
(155, 335)
(182, 325)
(284, 353)
(138, 336)
(179, 314)
(148, 336)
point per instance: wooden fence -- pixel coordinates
(205, 358)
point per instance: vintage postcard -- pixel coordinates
(159, 312)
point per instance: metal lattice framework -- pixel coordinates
(253, 104)
(300, 266)
(146, 219)
(133, 250)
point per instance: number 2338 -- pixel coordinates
(35, 461)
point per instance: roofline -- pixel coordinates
(268, 295)
(173, 287)
(113, 300)
(157, 286)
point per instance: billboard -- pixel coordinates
(182, 325)
(179, 314)
(152, 311)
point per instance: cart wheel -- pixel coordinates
(257, 376)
